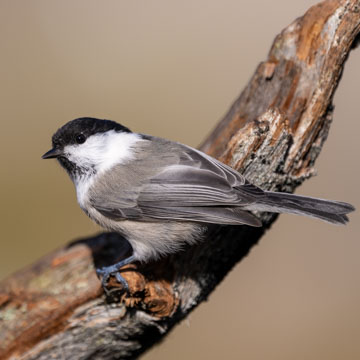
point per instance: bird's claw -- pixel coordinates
(106, 272)
(120, 279)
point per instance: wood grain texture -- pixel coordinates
(272, 134)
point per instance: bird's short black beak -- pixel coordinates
(53, 153)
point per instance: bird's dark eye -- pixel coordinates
(80, 138)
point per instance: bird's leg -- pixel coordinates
(113, 270)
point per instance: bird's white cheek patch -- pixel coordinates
(102, 151)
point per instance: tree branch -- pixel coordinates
(272, 134)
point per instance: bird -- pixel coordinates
(160, 194)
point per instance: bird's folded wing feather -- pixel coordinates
(187, 186)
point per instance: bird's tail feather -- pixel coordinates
(330, 211)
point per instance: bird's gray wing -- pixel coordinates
(176, 182)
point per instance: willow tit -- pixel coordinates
(160, 194)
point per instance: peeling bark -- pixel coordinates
(272, 134)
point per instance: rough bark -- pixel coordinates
(273, 133)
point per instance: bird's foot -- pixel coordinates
(113, 270)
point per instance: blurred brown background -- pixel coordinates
(172, 68)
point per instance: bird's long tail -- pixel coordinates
(331, 211)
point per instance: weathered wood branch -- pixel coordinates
(273, 133)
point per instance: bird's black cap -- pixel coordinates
(86, 127)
